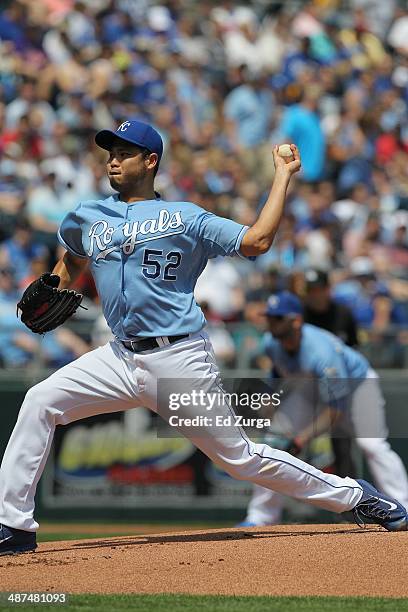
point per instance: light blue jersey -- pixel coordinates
(323, 356)
(146, 257)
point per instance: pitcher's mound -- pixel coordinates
(280, 560)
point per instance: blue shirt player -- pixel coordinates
(346, 396)
(145, 255)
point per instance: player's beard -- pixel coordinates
(283, 331)
(290, 341)
(282, 335)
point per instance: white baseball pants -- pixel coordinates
(368, 422)
(111, 379)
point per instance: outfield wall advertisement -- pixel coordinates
(120, 463)
(118, 460)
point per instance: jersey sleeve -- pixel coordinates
(220, 236)
(70, 233)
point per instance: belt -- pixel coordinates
(148, 344)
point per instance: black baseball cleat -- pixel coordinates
(378, 508)
(16, 541)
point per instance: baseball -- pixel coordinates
(285, 151)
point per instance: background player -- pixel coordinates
(349, 395)
(145, 255)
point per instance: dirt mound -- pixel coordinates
(281, 560)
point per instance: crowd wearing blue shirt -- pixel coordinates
(222, 82)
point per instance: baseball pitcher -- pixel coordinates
(145, 255)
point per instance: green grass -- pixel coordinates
(49, 536)
(79, 535)
(212, 603)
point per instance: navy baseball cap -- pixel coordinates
(282, 304)
(316, 278)
(138, 133)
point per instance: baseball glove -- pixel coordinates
(44, 307)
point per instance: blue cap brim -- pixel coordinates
(280, 312)
(105, 138)
(276, 313)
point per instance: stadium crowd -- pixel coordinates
(222, 82)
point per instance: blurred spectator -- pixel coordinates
(221, 340)
(377, 14)
(222, 83)
(248, 111)
(261, 286)
(347, 152)
(301, 125)
(18, 346)
(20, 251)
(360, 242)
(369, 298)
(47, 205)
(321, 310)
(219, 286)
(12, 193)
(352, 211)
(398, 34)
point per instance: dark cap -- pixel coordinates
(282, 304)
(136, 132)
(316, 278)
(22, 223)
